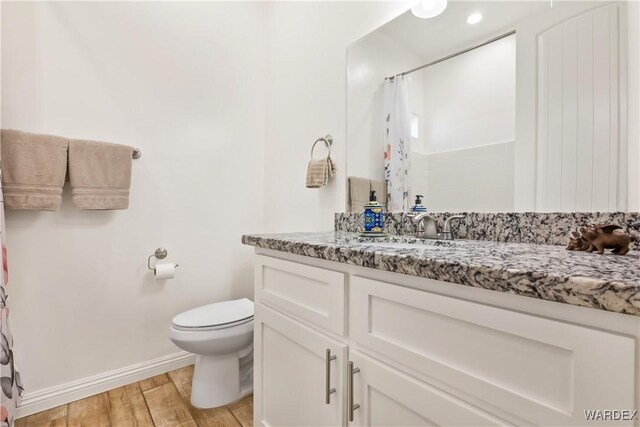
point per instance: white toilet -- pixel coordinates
(221, 336)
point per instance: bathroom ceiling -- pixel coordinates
(432, 38)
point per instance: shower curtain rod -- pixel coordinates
(437, 61)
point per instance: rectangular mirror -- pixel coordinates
(498, 107)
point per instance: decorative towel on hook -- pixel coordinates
(319, 171)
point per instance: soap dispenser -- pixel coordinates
(373, 217)
(418, 206)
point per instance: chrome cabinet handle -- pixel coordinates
(352, 406)
(329, 391)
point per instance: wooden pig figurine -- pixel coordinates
(604, 237)
(577, 242)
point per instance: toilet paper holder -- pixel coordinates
(160, 253)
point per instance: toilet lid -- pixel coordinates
(220, 313)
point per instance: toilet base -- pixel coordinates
(217, 381)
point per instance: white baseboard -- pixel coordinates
(51, 397)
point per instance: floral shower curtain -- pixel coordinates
(397, 134)
(10, 387)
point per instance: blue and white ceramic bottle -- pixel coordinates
(373, 216)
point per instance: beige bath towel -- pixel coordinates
(100, 174)
(380, 187)
(319, 172)
(358, 193)
(33, 170)
(359, 190)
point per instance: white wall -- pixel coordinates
(307, 61)
(466, 107)
(451, 181)
(184, 82)
(469, 100)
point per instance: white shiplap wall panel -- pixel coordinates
(601, 110)
(569, 116)
(615, 165)
(584, 154)
(578, 114)
(554, 138)
(543, 123)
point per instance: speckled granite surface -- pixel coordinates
(526, 227)
(607, 282)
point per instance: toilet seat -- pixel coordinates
(221, 337)
(221, 315)
(211, 327)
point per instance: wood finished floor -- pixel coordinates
(161, 401)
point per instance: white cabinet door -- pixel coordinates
(388, 397)
(534, 369)
(291, 373)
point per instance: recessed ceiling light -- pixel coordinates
(429, 8)
(474, 18)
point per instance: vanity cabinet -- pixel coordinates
(402, 350)
(297, 369)
(388, 397)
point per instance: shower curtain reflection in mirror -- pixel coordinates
(397, 118)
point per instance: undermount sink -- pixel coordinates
(418, 244)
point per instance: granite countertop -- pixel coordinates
(606, 282)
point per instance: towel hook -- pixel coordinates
(328, 141)
(136, 153)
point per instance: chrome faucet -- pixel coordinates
(428, 226)
(447, 234)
